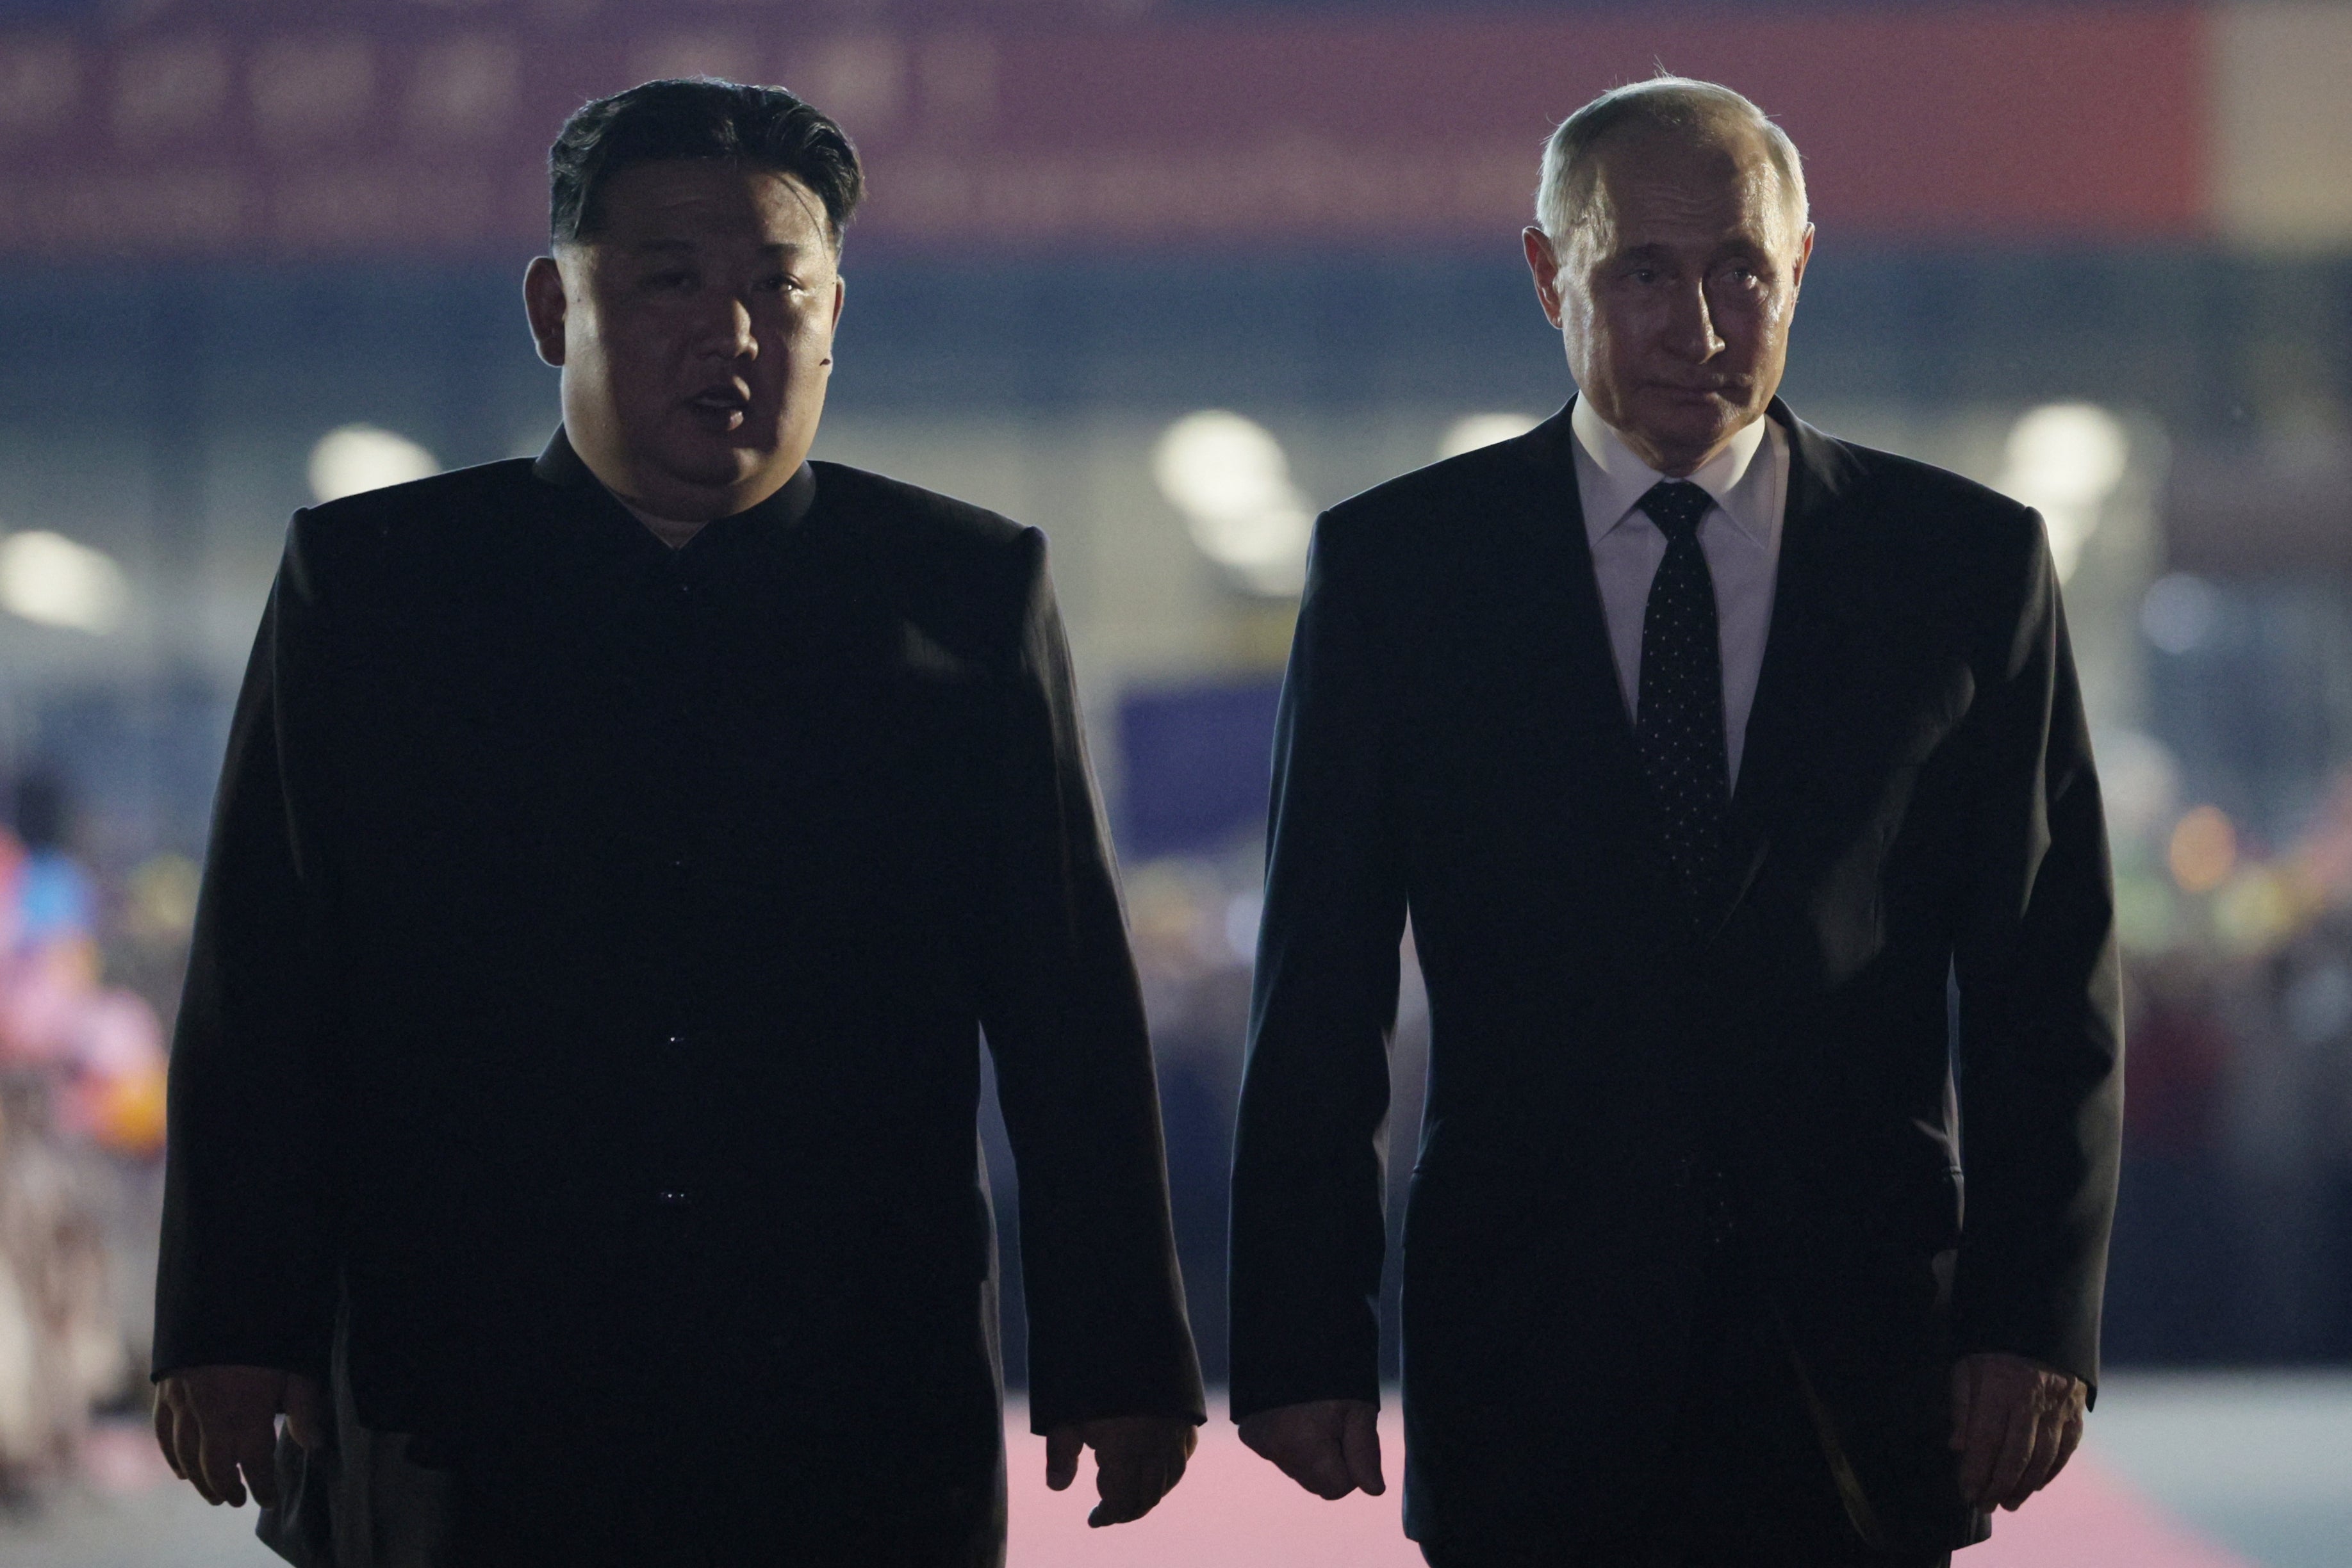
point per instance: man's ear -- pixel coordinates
(840, 296)
(543, 303)
(1805, 254)
(1544, 262)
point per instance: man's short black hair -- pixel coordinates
(700, 117)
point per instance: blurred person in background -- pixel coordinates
(617, 857)
(81, 1113)
(99, 1047)
(1686, 1280)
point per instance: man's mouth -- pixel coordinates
(721, 407)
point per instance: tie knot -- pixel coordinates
(1676, 506)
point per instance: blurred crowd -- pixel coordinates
(83, 968)
(2234, 1237)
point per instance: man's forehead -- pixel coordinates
(1723, 179)
(705, 200)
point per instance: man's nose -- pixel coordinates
(728, 334)
(1691, 330)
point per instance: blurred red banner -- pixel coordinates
(424, 134)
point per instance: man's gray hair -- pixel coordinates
(1666, 102)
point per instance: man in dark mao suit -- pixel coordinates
(617, 859)
(1711, 757)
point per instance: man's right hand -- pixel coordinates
(214, 1421)
(1330, 1447)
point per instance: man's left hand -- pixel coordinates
(2015, 1422)
(1137, 1460)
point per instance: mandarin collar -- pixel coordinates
(561, 466)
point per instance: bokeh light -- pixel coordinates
(1229, 478)
(48, 578)
(358, 457)
(2204, 850)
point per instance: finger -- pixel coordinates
(306, 1415)
(2069, 1439)
(2039, 1463)
(2016, 1452)
(1980, 1449)
(1061, 1449)
(167, 1435)
(1327, 1472)
(1307, 1452)
(215, 1470)
(1128, 1480)
(183, 1447)
(1155, 1477)
(256, 1456)
(1360, 1448)
(1964, 1389)
(1170, 1470)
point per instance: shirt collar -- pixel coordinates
(1611, 480)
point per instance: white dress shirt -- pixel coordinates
(1739, 536)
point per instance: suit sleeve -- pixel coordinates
(2040, 1014)
(247, 1270)
(1064, 1016)
(1308, 1228)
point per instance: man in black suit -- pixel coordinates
(1710, 757)
(617, 859)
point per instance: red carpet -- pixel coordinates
(1234, 1511)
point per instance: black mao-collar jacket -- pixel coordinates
(594, 950)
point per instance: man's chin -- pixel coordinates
(1688, 433)
(716, 467)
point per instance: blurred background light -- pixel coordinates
(1229, 478)
(2065, 459)
(357, 457)
(2139, 782)
(1473, 431)
(2204, 850)
(2180, 612)
(1244, 910)
(48, 578)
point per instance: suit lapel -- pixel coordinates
(1545, 576)
(1567, 601)
(1804, 595)
(1568, 641)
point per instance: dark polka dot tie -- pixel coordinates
(1678, 722)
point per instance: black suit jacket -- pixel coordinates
(1916, 802)
(593, 956)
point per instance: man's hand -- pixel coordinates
(2015, 1422)
(1330, 1447)
(214, 1421)
(1139, 1459)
